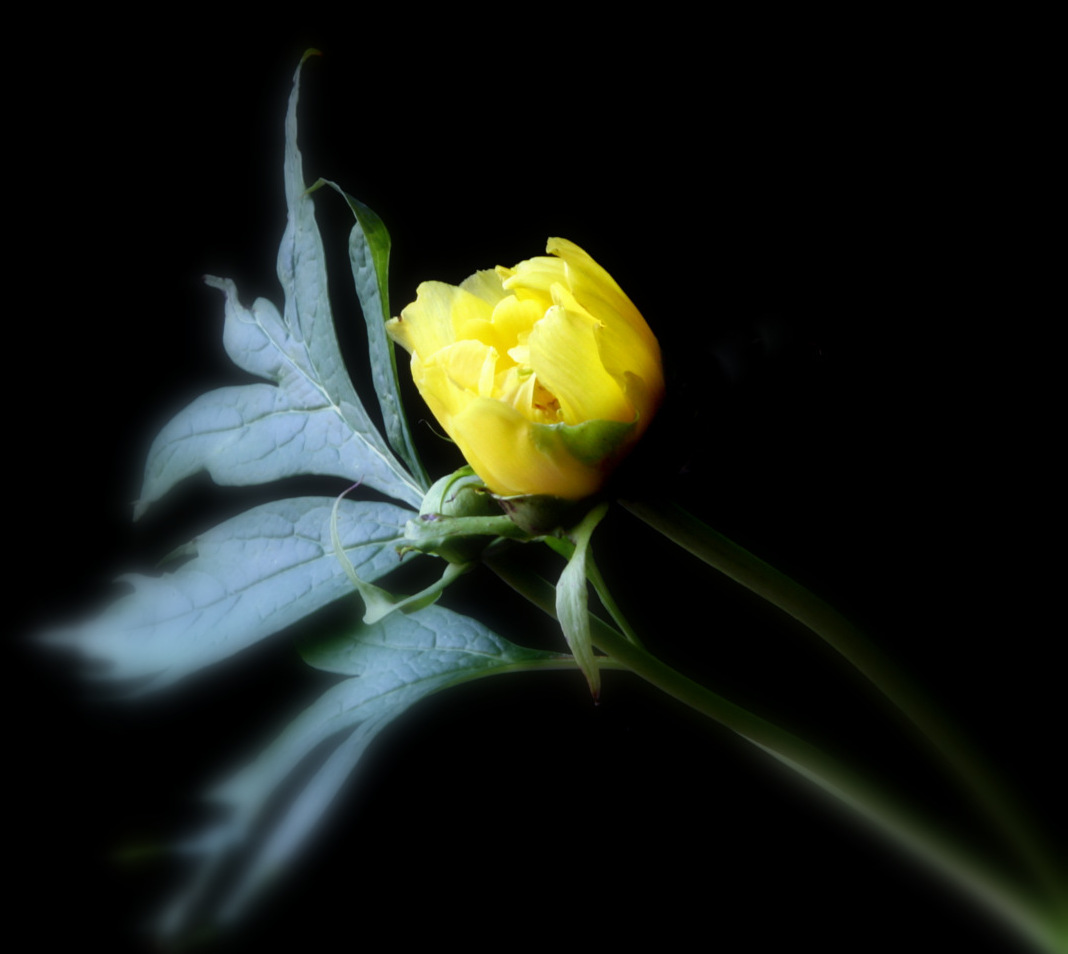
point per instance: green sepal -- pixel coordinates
(590, 442)
(460, 494)
(541, 514)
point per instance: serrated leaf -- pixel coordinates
(250, 577)
(396, 663)
(311, 420)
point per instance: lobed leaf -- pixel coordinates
(310, 419)
(262, 432)
(394, 664)
(249, 578)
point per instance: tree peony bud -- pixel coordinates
(544, 374)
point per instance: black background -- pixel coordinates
(824, 240)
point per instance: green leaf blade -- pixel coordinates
(430, 642)
(571, 600)
(302, 273)
(393, 665)
(308, 419)
(369, 250)
(257, 433)
(250, 577)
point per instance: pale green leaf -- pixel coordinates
(395, 664)
(311, 420)
(369, 247)
(250, 577)
(256, 433)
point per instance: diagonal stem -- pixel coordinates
(1026, 916)
(753, 573)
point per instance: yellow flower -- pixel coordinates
(544, 374)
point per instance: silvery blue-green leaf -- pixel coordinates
(250, 577)
(395, 663)
(302, 272)
(369, 247)
(429, 642)
(309, 419)
(257, 433)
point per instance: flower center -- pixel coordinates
(545, 404)
(518, 385)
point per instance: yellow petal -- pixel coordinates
(469, 365)
(486, 284)
(500, 444)
(535, 277)
(629, 350)
(595, 289)
(437, 318)
(443, 396)
(565, 356)
(513, 319)
(511, 454)
(635, 365)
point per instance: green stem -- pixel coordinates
(1021, 912)
(753, 573)
(565, 662)
(608, 601)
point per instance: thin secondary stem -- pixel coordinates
(925, 840)
(845, 638)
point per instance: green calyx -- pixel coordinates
(459, 494)
(590, 443)
(540, 515)
(458, 518)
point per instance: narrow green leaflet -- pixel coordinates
(249, 578)
(309, 420)
(571, 599)
(393, 664)
(369, 247)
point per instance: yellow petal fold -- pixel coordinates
(565, 355)
(508, 453)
